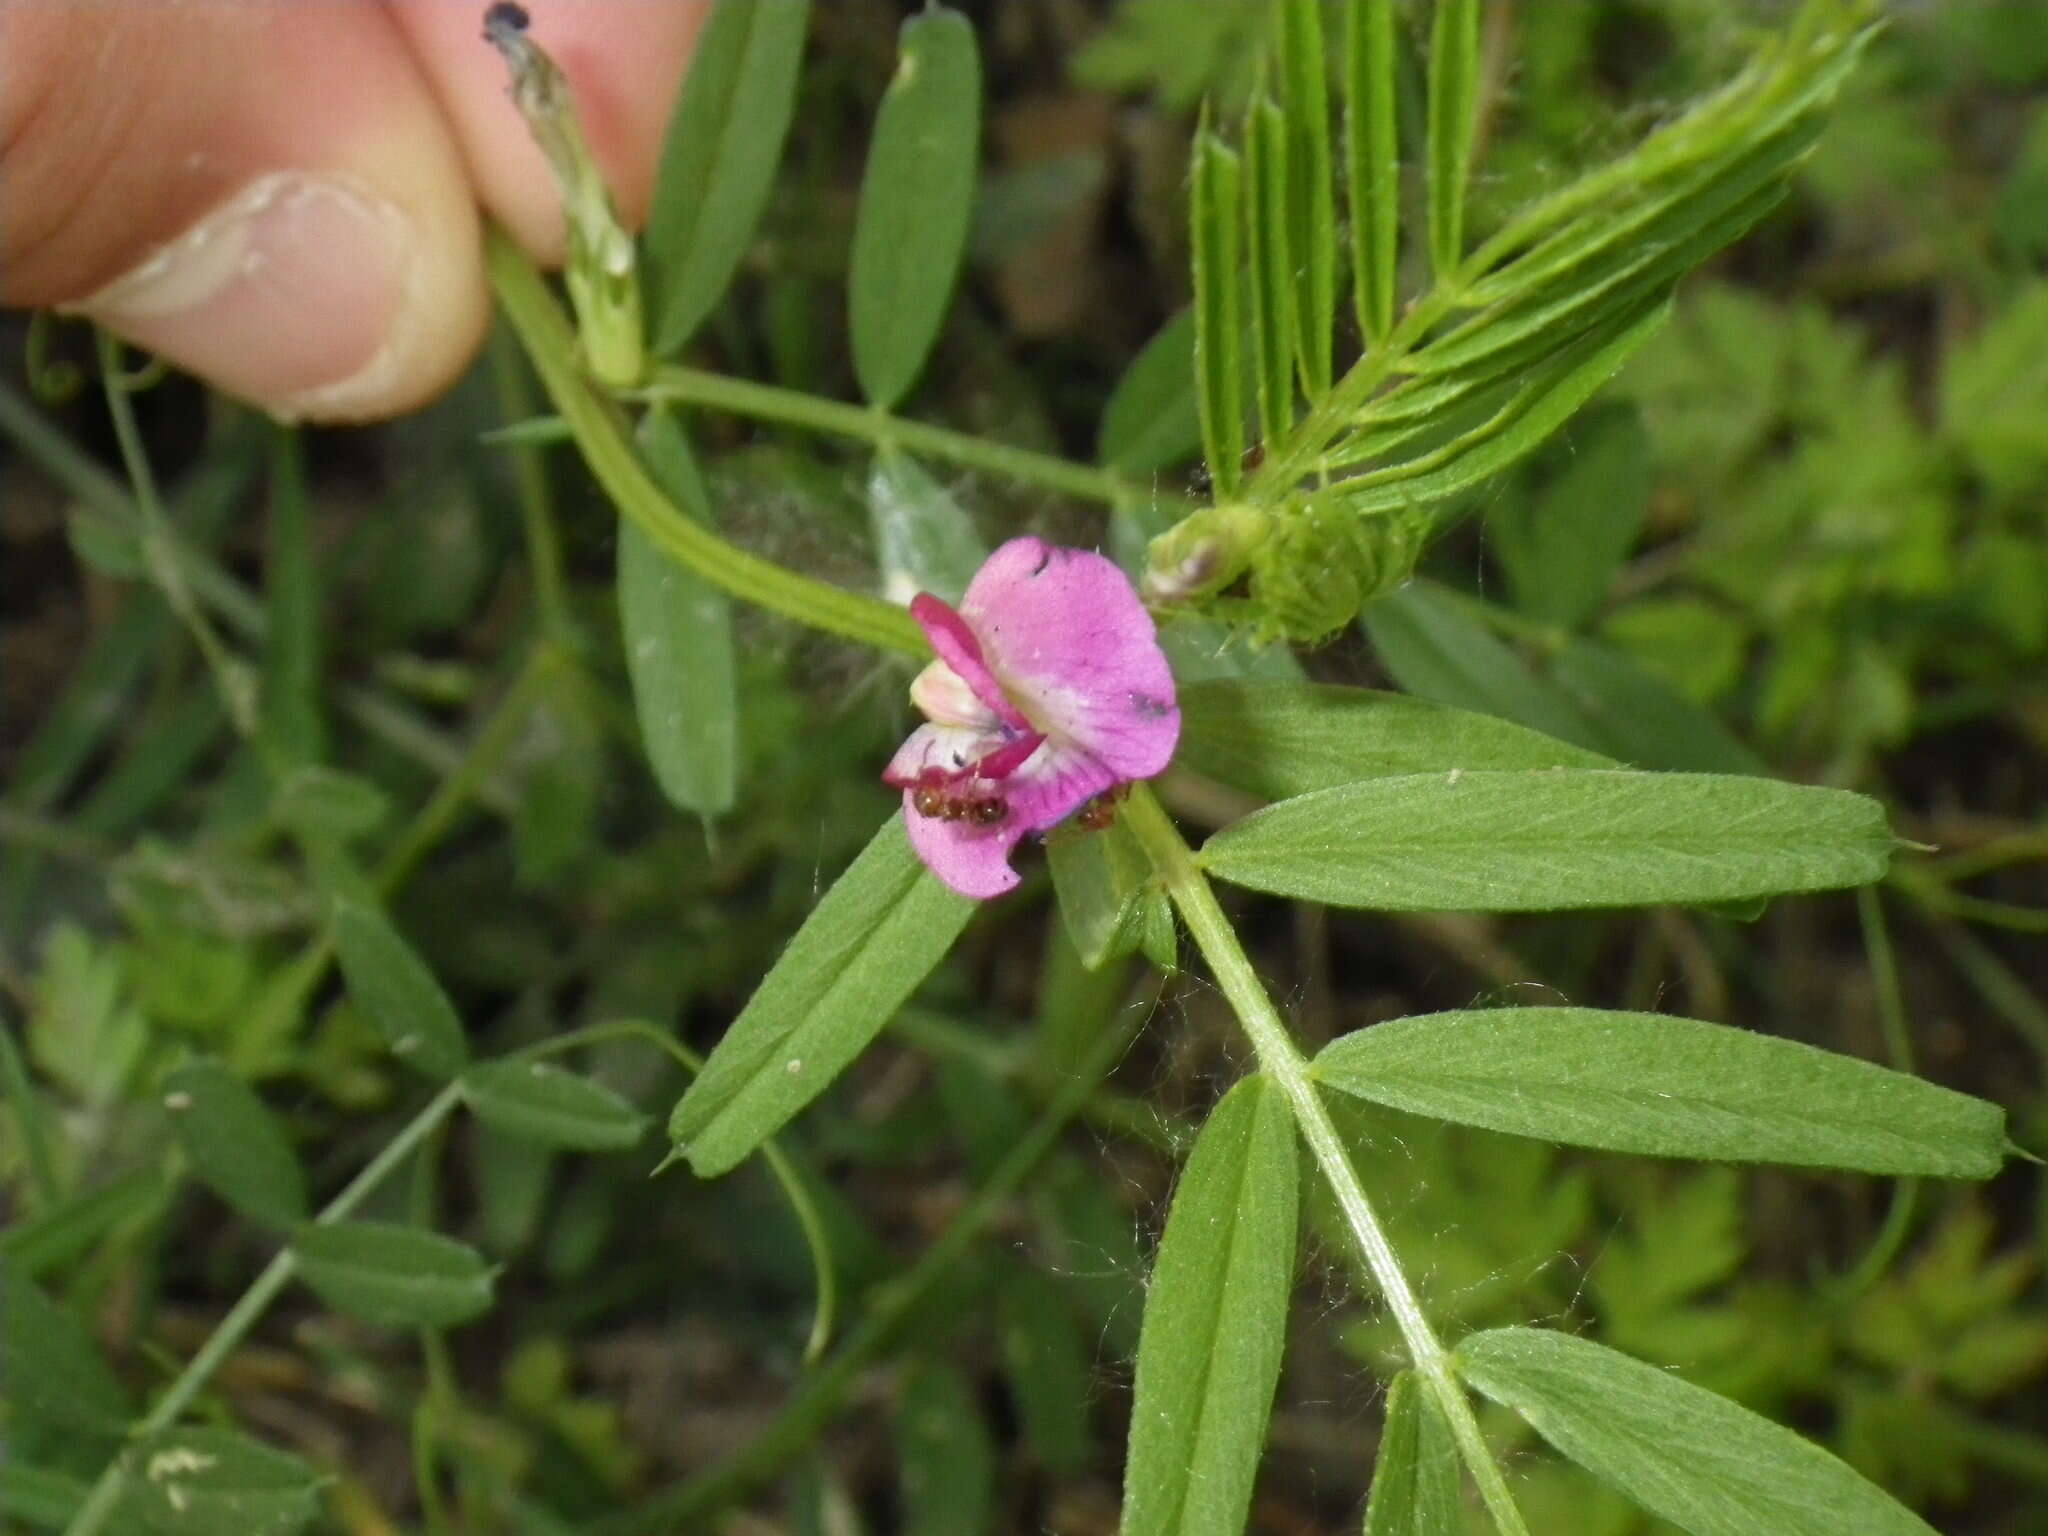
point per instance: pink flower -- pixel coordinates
(1049, 689)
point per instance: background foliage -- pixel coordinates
(1801, 532)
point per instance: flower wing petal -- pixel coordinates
(1066, 637)
(975, 861)
(956, 645)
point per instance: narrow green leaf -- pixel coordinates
(393, 1275)
(1103, 882)
(1435, 650)
(876, 935)
(924, 539)
(55, 1375)
(1645, 721)
(1765, 104)
(325, 803)
(1645, 1082)
(74, 1225)
(1048, 1365)
(1152, 421)
(676, 629)
(915, 201)
(1270, 245)
(203, 1482)
(718, 159)
(236, 1146)
(38, 1496)
(1495, 342)
(947, 1458)
(541, 1103)
(1311, 188)
(1551, 840)
(1158, 937)
(1215, 1321)
(1279, 740)
(534, 432)
(1562, 548)
(1453, 121)
(1551, 394)
(1215, 231)
(291, 584)
(1415, 1478)
(396, 991)
(1682, 1452)
(1372, 162)
(104, 544)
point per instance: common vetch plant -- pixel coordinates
(1356, 359)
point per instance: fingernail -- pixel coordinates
(290, 294)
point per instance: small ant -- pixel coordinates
(931, 799)
(1099, 813)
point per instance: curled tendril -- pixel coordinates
(52, 380)
(134, 381)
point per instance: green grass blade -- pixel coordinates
(1311, 188)
(391, 1275)
(1415, 1478)
(236, 1146)
(543, 1104)
(676, 629)
(718, 160)
(915, 200)
(291, 641)
(1372, 162)
(1215, 1320)
(881, 929)
(1453, 122)
(396, 992)
(1270, 275)
(1553, 840)
(1215, 232)
(1278, 740)
(1152, 420)
(1666, 1087)
(1703, 1463)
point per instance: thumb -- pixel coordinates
(264, 195)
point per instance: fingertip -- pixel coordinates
(625, 61)
(276, 205)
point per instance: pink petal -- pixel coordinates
(1054, 782)
(1064, 633)
(957, 647)
(958, 755)
(975, 861)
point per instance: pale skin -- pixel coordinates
(286, 197)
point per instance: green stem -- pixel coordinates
(106, 1494)
(164, 557)
(825, 1279)
(1282, 1060)
(238, 608)
(601, 437)
(1935, 896)
(1898, 1041)
(765, 402)
(485, 752)
(530, 486)
(895, 1303)
(2007, 995)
